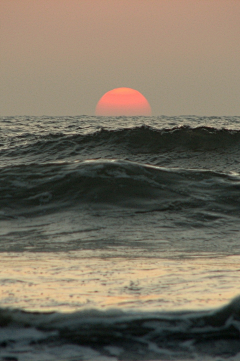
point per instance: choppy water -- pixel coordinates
(119, 238)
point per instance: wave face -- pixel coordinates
(142, 139)
(129, 336)
(35, 188)
(173, 142)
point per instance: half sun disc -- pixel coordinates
(123, 101)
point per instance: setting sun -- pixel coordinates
(123, 101)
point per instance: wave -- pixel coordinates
(143, 139)
(53, 186)
(148, 139)
(138, 334)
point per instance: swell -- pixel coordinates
(143, 139)
(40, 187)
(208, 332)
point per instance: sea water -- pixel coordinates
(119, 238)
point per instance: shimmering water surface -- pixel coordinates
(119, 238)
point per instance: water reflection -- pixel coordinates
(48, 281)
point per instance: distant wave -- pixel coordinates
(53, 186)
(209, 333)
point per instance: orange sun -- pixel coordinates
(123, 101)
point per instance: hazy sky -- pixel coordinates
(58, 57)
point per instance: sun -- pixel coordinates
(123, 101)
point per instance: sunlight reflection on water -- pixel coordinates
(65, 283)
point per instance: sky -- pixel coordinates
(58, 57)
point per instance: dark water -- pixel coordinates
(134, 193)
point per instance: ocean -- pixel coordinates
(119, 238)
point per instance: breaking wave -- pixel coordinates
(138, 334)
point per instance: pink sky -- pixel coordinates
(58, 57)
